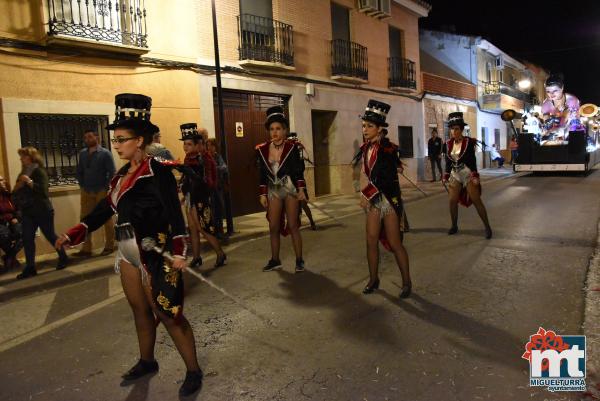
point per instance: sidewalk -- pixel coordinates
(246, 227)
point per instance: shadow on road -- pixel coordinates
(481, 340)
(353, 316)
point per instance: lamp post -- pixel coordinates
(227, 198)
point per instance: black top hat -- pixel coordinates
(133, 112)
(275, 114)
(376, 112)
(189, 131)
(456, 118)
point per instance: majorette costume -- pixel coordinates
(380, 163)
(196, 185)
(283, 177)
(146, 205)
(461, 164)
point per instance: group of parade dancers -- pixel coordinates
(144, 197)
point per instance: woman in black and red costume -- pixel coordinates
(197, 194)
(143, 195)
(461, 174)
(281, 186)
(381, 197)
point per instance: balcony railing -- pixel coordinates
(349, 59)
(401, 73)
(121, 22)
(265, 39)
(496, 87)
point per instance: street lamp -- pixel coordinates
(524, 84)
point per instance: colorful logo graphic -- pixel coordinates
(556, 362)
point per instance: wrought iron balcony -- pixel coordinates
(349, 61)
(496, 87)
(401, 73)
(118, 22)
(265, 40)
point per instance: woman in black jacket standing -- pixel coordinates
(461, 174)
(381, 197)
(143, 195)
(31, 197)
(281, 186)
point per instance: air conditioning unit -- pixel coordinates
(365, 6)
(385, 6)
(375, 8)
(500, 62)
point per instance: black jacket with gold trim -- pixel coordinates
(381, 170)
(291, 164)
(147, 200)
(466, 157)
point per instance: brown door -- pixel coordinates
(248, 109)
(321, 130)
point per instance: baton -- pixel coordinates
(415, 185)
(326, 213)
(149, 244)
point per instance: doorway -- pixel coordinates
(244, 115)
(322, 125)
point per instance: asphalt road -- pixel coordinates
(459, 337)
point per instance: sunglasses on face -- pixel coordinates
(121, 139)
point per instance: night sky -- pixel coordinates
(563, 38)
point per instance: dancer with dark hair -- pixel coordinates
(381, 197)
(143, 195)
(461, 173)
(196, 187)
(281, 186)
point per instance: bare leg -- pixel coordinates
(475, 195)
(275, 209)
(453, 195)
(391, 223)
(131, 280)
(213, 241)
(182, 335)
(194, 235)
(308, 213)
(373, 229)
(292, 206)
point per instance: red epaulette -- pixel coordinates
(260, 145)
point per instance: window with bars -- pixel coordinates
(59, 138)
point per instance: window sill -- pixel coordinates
(349, 79)
(256, 64)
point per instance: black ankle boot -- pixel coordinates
(299, 265)
(488, 232)
(141, 369)
(28, 271)
(406, 291)
(369, 288)
(453, 230)
(273, 264)
(191, 384)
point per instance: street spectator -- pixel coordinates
(10, 228)
(434, 147)
(31, 198)
(514, 149)
(218, 200)
(95, 169)
(159, 150)
(203, 133)
(495, 155)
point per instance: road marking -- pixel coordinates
(45, 329)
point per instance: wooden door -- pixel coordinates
(249, 109)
